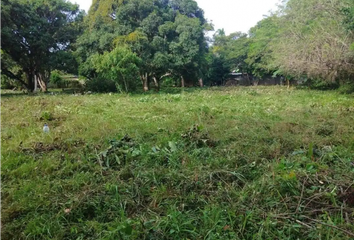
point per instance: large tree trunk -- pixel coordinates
(30, 81)
(36, 80)
(41, 79)
(42, 83)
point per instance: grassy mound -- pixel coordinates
(222, 163)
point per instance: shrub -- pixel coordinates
(56, 78)
(346, 88)
(101, 85)
(319, 84)
(7, 83)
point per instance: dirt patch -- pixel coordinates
(293, 128)
(40, 147)
(348, 197)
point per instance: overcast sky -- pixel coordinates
(232, 15)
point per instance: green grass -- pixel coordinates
(221, 163)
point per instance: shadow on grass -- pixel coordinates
(11, 93)
(171, 90)
(8, 94)
(70, 91)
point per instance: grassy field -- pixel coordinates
(220, 163)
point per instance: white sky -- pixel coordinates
(232, 15)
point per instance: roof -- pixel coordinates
(235, 74)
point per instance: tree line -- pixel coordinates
(125, 45)
(312, 40)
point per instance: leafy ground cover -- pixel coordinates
(222, 163)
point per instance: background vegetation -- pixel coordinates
(311, 42)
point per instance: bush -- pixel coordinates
(121, 66)
(101, 85)
(56, 78)
(319, 84)
(346, 88)
(7, 83)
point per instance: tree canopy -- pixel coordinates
(168, 36)
(34, 36)
(307, 39)
(314, 40)
(302, 39)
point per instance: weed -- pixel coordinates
(47, 116)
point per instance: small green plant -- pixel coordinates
(47, 116)
(118, 153)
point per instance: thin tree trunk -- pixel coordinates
(157, 85)
(144, 80)
(288, 82)
(248, 79)
(35, 84)
(201, 82)
(125, 84)
(182, 82)
(160, 79)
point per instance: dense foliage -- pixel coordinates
(37, 37)
(304, 40)
(167, 37)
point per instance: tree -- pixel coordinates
(231, 53)
(119, 65)
(217, 69)
(166, 35)
(34, 33)
(188, 48)
(102, 11)
(313, 41)
(260, 51)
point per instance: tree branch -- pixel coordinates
(330, 225)
(165, 75)
(13, 76)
